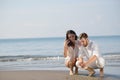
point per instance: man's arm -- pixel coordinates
(92, 59)
(81, 55)
(95, 55)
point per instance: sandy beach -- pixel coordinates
(53, 75)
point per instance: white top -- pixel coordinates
(89, 51)
(73, 53)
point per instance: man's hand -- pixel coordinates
(83, 65)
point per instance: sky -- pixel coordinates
(52, 18)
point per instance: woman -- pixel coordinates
(71, 49)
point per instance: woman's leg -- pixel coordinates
(70, 65)
(101, 71)
(76, 70)
(67, 63)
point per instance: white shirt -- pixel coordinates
(73, 53)
(89, 51)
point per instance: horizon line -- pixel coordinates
(55, 37)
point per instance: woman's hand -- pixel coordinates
(66, 43)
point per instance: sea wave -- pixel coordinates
(110, 59)
(28, 58)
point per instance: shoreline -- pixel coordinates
(110, 74)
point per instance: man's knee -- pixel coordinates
(78, 64)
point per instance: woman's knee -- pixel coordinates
(68, 64)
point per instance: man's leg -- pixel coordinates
(91, 71)
(79, 62)
(102, 64)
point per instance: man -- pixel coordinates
(89, 58)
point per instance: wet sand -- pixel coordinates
(51, 75)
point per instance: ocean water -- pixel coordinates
(47, 53)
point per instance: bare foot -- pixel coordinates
(91, 73)
(101, 74)
(71, 73)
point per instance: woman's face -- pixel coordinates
(71, 37)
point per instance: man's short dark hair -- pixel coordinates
(83, 35)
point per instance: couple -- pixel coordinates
(82, 53)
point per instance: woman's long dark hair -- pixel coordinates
(71, 32)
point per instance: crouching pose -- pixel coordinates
(71, 50)
(89, 57)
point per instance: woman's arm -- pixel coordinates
(65, 48)
(65, 51)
